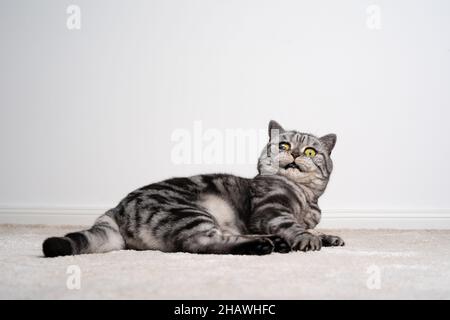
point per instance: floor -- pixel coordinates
(374, 264)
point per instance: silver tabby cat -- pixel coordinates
(221, 213)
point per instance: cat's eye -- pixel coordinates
(284, 146)
(310, 152)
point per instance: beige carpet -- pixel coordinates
(375, 264)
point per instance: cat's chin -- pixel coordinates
(292, 170)
(296, 175)
(291, 173)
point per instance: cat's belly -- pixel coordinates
(223, 213)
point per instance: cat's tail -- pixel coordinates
(103, 236)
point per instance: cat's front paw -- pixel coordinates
(257, 246)
(280, 245)
(307, 242)
(331, 241)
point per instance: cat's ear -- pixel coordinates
(275, 128)
(329, 141)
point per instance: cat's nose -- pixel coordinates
(295, 154)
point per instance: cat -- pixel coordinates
(222, 213)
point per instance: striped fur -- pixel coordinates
(221, 213)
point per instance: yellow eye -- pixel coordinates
(310, 152)
(284, 146)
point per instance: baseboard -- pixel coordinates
(50, 215)
(386, 218)
(331, 218)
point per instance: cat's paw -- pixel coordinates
(280, 245)
(307, 242)
(57, 246)
(331, 241)
(258, 246)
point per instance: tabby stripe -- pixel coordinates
(273, 206)
(161, 187)
(264, 217)
(177, 215)
(211, 185)
(278, 198)
(284, 225)
(79, 240)
(191, 224)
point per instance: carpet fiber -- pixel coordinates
(374, 264)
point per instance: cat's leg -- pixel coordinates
(284, 225)
(331, 241)
(194, 230)
(103, 236)
(279, 244)
(327, 239)
(213, 241)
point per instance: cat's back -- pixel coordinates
(193, 187)
(226, 192)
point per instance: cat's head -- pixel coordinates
(301, 157)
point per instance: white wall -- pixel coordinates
(87, 115)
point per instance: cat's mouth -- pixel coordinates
(292, 165)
